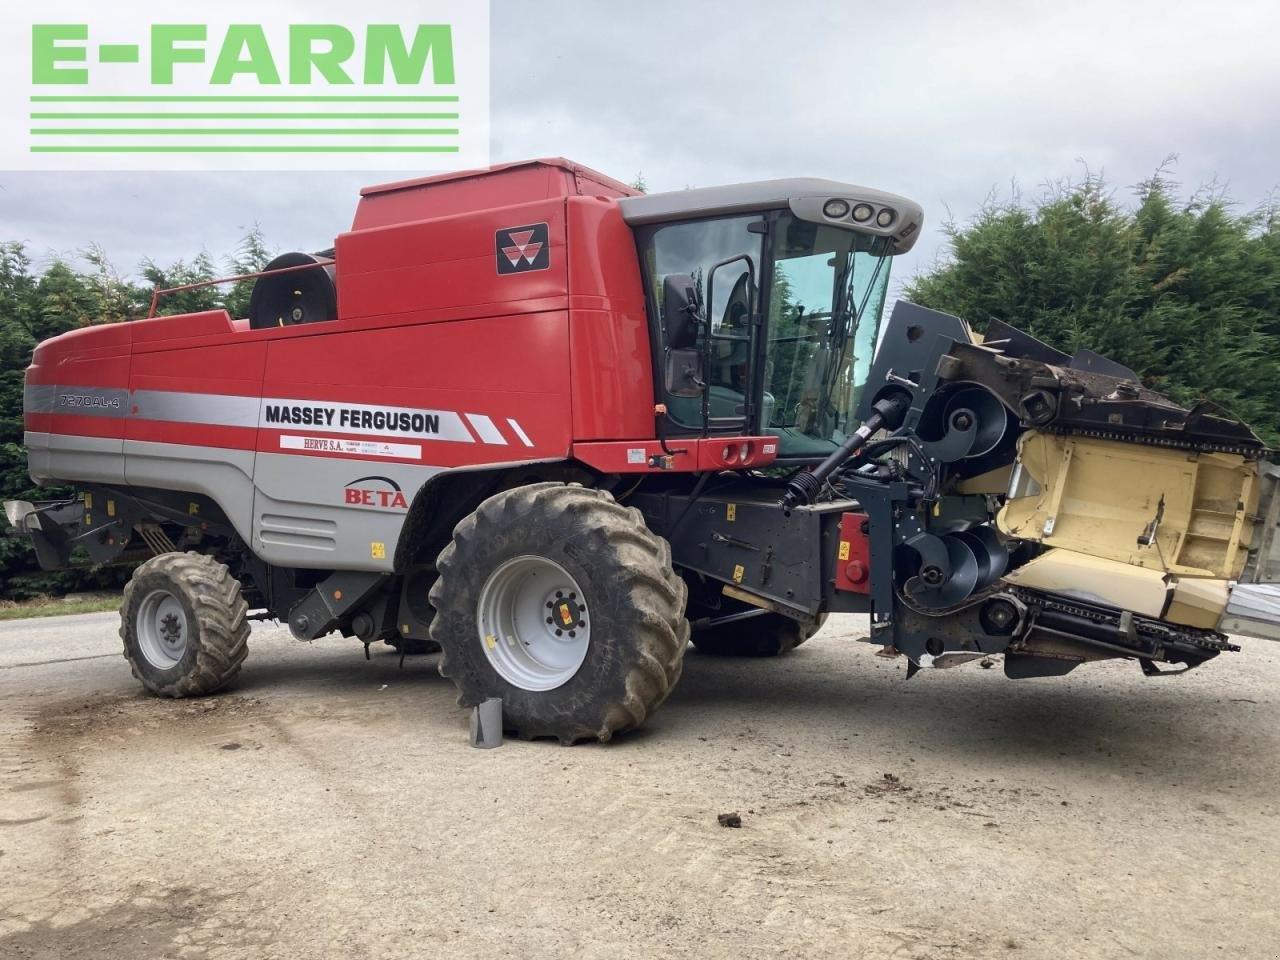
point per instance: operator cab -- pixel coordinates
(764, 304)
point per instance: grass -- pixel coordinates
(58, 606)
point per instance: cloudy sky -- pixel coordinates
(942, 101)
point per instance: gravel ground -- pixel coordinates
(330, 807)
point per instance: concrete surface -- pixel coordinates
(330, 807)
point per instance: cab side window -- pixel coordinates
(692, 249)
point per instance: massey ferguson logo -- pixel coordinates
(523, 248)
(380, 492)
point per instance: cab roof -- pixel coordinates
(806, 196)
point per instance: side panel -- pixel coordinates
(612, 366)
(75, 403)
(451, 262)
(193, 422)
(354, 422)
(786, 557)
(332, 512)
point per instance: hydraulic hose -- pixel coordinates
(887, 413)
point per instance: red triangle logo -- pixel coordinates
(521, 238)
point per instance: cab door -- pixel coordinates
(708, 369)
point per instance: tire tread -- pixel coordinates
(222, 615)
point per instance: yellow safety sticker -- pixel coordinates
(731, 511)
(88, 501)
(378, 550)
(738, 571)
(566, 615)
(490, 641)
(193, 509)
(111, 508)
(844, 549)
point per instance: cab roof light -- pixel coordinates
(836, 209)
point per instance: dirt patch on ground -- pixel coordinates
(153, 922)
(330, 806)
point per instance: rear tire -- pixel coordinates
(768, 635)
(184, 625)
(530, 554)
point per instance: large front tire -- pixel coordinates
(563, 603)
(184, 625)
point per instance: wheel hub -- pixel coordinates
(533, 623)
(170, 628)
(162, 629)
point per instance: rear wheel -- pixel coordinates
(184, 625)
(766, 635)
(564, 604)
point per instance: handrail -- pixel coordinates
(159, 292)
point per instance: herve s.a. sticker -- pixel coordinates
(358, 448)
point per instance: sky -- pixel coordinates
(945, 102)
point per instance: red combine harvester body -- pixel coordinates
(531, 417)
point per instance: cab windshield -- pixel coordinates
(825, 292)
(825, 303)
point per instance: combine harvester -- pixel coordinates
(553, 426)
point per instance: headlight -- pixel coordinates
(836, 209)
(862, 213)
(885, 218)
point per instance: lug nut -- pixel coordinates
(559, 633)
(549, 620)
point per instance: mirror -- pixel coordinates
(743, 289)
(738, 313)
(681, 314)
(684, 372)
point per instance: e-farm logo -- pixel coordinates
(245, 85)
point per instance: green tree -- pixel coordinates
(36, 306)
(1187, 293)
(182, 274)
(116, 298)
(251, 256)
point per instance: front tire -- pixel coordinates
(184, 625)
(563, 603)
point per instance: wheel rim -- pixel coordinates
(163, 630)
(534, 623)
